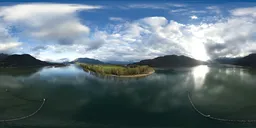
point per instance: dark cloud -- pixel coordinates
(253, 51)
(213, 48)
(65, 41)
(93, 45)
(231, 47)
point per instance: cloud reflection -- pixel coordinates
(9, 81)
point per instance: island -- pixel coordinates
(118, 70)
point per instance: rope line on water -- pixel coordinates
(216, 118)
(25, 117)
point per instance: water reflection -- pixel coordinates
(157, 100)
(227, 92)
(199, 74)
(9, 82)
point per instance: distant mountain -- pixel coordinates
(227, 60)
(88, 61)
(170, 61)
(119, 62)
(3, 56)
(248, 61)
(24, 60)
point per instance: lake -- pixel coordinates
(77, 99)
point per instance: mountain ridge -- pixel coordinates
(170, 61)
(23, 60)
(3, 56)
(88, 61)
(166, 61)
(247, 61)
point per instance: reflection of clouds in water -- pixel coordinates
(10, 82)
(69, 75)
(232, 76)
(159, 92)
(216, 90)
(225, 87)
(156, 93)
(53, 76)
(199, 74)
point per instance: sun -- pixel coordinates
(198, 52)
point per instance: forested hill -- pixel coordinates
(24, 60)
(248, 61)
(170, 61)
(88, 61)
(3, 56)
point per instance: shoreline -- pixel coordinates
(120, 76)
(113, 70)
(134, 76)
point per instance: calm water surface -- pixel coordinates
(78, 99)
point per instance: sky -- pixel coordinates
(127, 30)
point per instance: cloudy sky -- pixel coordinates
(128, 30)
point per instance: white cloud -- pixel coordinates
(155, 21)
(155, 36)
(45, 22)
(193, 17)
(230, 37)
(7, 42)
(26, 11)
(7, 46)
(65, 36)
(250, 11)
(116, 19)
(147, 38)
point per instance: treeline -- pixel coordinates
(117, 70)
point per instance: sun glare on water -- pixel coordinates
(199, 73)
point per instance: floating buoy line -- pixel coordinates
(26, 116)
(216, 118)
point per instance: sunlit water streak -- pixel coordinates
(199, 74)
